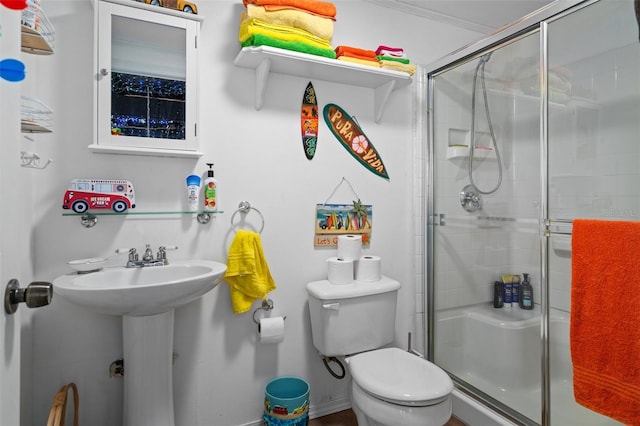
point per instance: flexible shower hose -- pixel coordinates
(480, 67)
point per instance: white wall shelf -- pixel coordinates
(266, 59)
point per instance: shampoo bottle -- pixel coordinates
(515, 290)
(193, 192)
(507, 285)
(210, 191)
(526, 293)
(498, 293)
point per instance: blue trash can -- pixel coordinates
(286, 402)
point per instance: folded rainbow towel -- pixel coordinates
(393, 59)
(317, 7)
(368, 54)
(252, 26)
(297, 46)
(366, 62)
(316, 25)
(356, 56)
(397, 66)
(390, 51)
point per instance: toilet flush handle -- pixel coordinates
(332, 306)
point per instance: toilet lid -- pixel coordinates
(400, 377)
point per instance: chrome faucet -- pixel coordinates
(147, 259)
(148, 254)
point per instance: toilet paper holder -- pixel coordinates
(267, 305)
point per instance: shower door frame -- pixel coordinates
(530, 24)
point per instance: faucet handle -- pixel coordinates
(162, 253)
(133, 253)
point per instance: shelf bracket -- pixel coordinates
(262, 74)
(380, 98)
(88, 220)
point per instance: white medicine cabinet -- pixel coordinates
(146, 64)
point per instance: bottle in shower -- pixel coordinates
(507, 290)
(515, 290)
(498, 290)
(526, 293)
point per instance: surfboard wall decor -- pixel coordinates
(353, 139)
(309, 121)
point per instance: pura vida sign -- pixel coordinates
(352, 138)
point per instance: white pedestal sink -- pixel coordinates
(146, 299)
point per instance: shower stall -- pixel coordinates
(527, 129)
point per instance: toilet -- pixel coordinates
(390, 386)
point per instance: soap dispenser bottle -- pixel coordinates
(526, 293)
(210, 191)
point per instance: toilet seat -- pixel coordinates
(399, 377)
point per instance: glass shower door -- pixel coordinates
(594, 158)
(485, 223)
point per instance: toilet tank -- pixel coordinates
(352, 318)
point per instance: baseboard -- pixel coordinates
(318, 410)
(330, 407)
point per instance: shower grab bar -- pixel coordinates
(497, 221)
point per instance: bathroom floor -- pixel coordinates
(347, 418)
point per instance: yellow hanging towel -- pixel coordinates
(247, 272)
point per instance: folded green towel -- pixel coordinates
(391, 58)
(298, 46)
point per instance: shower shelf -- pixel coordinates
(454, 152)
(267, 59)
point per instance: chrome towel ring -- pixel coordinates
(244, 208)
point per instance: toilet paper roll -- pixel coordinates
(350, 247)
(368, 268)
(339, 271)
(271, 330)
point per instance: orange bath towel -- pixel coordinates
(605, 317)
(317, 7)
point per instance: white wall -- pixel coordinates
(221, 372)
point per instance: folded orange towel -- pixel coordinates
(366, 62)
(318, 7)
(356, 56)
(605, 318)
(368, 54)
(276, 8)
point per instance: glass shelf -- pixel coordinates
(90, 218)
(138, 213)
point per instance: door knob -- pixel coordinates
(36, 294)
